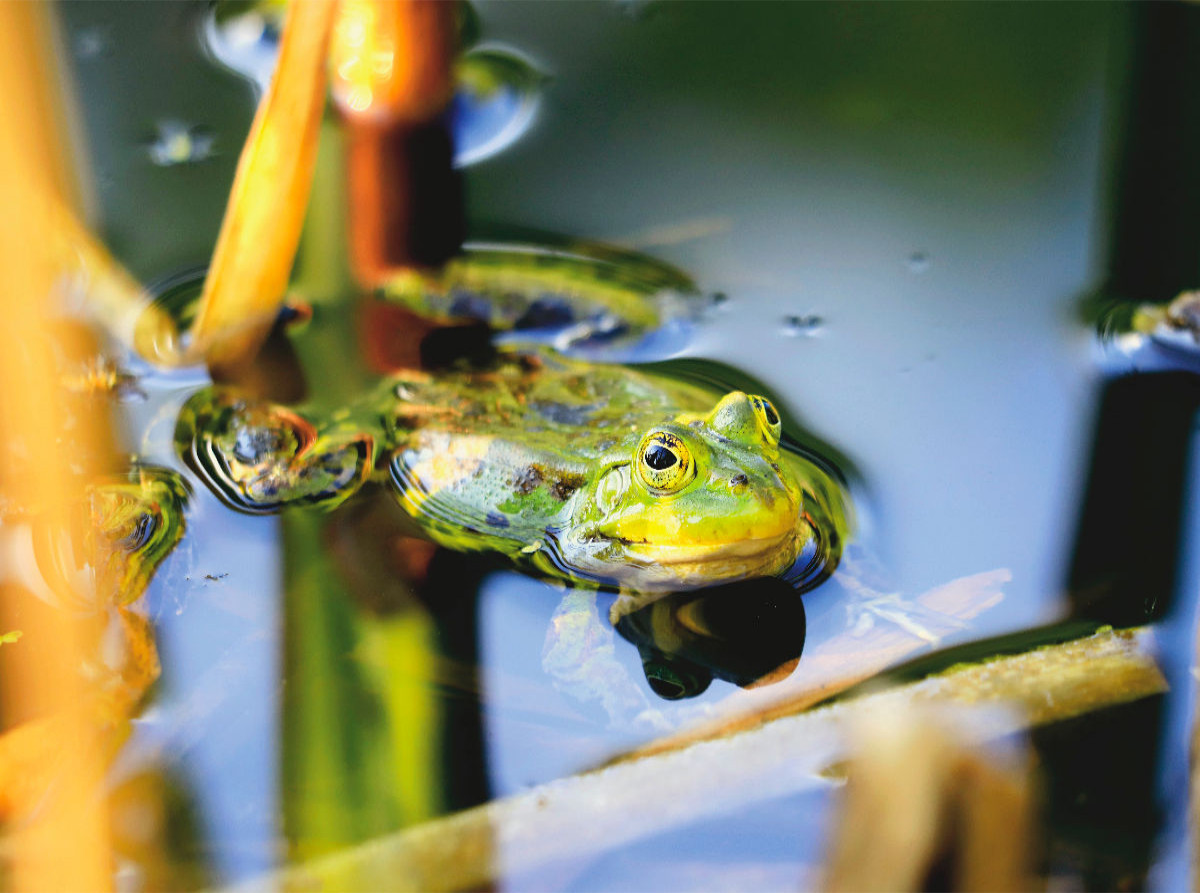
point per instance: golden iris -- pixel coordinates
(664, 463)
(768, 418)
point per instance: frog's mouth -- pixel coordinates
(698, 553)
(650, 566)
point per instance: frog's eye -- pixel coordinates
(664, 463)
(768, 418)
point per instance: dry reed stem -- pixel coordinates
(918, 796)
(65, 846)
(261, 229)
(576, 818)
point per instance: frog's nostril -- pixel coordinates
(739, 480)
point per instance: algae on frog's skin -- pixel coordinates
(557, 454)
(596, 474)
(599, 474)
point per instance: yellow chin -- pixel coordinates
(752, 552)
(669, 567)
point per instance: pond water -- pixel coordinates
(902, 206)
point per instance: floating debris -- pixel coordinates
(808, 326)
(595, 812)
(918, 262)
(177, 142)
(91, 43)
(245, 38)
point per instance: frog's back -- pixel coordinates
(498, 454)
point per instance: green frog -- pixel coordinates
(596, 473)
(95, 569)
(610, 475)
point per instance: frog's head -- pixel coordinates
(702, 499)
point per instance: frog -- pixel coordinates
(597, 475)
(593, 474)
(603, 474)
(607, 475)
(1153, 335)
(125, 525)
(121, 529)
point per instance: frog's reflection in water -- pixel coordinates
(748, 633)
(391, 659)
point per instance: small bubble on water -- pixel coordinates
(918, 262)
(807, 326)
(90, 43)
(176, 142)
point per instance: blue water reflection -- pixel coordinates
(924, 181)
(215, 725)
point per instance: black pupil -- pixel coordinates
(660, 458)
(769, 410)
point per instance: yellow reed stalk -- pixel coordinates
(65, 845)
(261, 229)
(115, 300)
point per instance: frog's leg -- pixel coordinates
(579, 655)
(868, 604)
(628, 602)
(567, 295)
